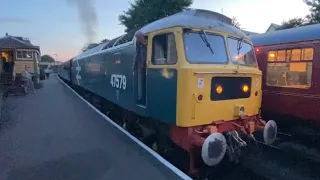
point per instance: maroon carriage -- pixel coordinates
(290, 62)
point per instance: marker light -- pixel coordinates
(219, 89)
(200, 97)
(245, 88)
(257, 50)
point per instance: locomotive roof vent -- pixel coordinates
(210, 15)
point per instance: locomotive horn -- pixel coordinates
(213, 149)
(270, 132)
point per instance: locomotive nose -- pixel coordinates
(213, 149)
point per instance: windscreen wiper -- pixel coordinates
(204, 38)
(239, 45)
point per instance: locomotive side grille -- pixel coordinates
(226, 88)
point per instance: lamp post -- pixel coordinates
(55, 59)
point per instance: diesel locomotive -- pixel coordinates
(190, 79)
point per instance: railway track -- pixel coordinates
(287, 158)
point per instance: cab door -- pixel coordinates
(139, 75)
(162, 76)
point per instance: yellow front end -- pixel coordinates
(210, 93)
(195, 106)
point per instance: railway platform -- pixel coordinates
(55, 135)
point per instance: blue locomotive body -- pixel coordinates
(107, 72)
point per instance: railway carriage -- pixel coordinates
(201, 87)
(289, 60)
(64, 70)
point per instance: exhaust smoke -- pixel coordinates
(87, 16)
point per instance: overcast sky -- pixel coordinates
(54, 25)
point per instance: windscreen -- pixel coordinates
(241, 52)
(201, 47)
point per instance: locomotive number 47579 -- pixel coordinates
(118, 81)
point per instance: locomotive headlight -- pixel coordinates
(245, 88)
(219, 89)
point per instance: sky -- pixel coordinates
(55, 25)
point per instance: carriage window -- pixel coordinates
(307, 54)
(272, 56)
(164, 49)
(281, 55)
(278, 56)
(295, 72)
(296, 55)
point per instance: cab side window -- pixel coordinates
(164, 49)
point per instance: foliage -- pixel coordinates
(314, 5)
(47, 58)
(143, 12)
(89, 46)
(235, 22)
(104, 41)
(86, 47)
(312, 18)
(291, 23)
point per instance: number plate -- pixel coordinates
(118, 81)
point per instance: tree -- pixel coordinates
(47, 58)
(235, 22)
(292, 23)
(143, 12)
(314, 5)
(104, 41)
(86, 47)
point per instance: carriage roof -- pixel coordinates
(303, 33)
(196, 18)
